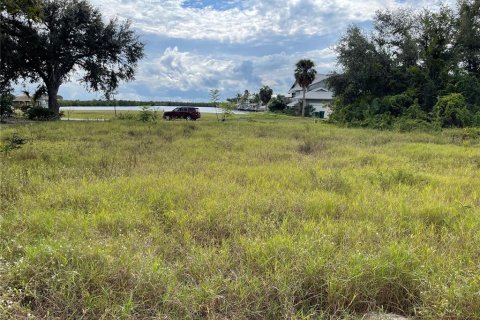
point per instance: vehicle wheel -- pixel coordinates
(188, 118)
(167, 118)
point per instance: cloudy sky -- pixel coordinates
(193, 46)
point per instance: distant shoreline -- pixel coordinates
(129, 103)
(139, 108)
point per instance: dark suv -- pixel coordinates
(187, 113)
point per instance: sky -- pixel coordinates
(193, 46)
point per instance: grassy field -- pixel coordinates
(96, 115)
(252, 218)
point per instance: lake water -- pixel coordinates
(133, 108)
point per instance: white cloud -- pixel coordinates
(253, 21)
(184, 71)
(187, 72)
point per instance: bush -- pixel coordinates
(451, 111)
(147, 115)
(6, 109)
(15, 142)
(227, 110)
(297, 110)
(476, 119)
(396, 104)
(379, 121)
(277, 104)
(346, 113)
(309, 110)
(415, 112)
(41, 114)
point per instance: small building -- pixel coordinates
(23, 101)
(318, 96)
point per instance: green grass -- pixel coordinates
(256, 217)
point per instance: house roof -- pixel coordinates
(22, 98)
(318, 78)
(319, 94)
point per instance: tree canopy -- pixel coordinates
(67, 36)
(410, 59)
(265, 94)
(277, 104)
(30, 8)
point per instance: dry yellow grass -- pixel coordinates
(257, 217)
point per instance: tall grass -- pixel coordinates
(258, 217)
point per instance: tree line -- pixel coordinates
(126, 103)
(415, 68)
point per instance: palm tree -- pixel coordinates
(304, 75)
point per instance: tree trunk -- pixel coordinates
(53, 105)
(303, 103)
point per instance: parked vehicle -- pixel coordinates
(187, 113)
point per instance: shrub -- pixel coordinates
(415, 112)
(147, 115)
(227, 110)
(345, 113)
(42, 114)
(6, 109)
(396, 104)
(12, 143)
(277, 104)
(309, 110)
(451, 110)
(379, 121)
(476, 119)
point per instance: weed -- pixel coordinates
(188, 129)
(311, 146)
(12, 143)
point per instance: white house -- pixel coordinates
(318, 96)
(24, 101)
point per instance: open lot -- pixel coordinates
(260, 216)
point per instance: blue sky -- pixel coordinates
(193, 46)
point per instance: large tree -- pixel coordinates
(265, 94)
(468, 35)
(68, 36)
(304, 75)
